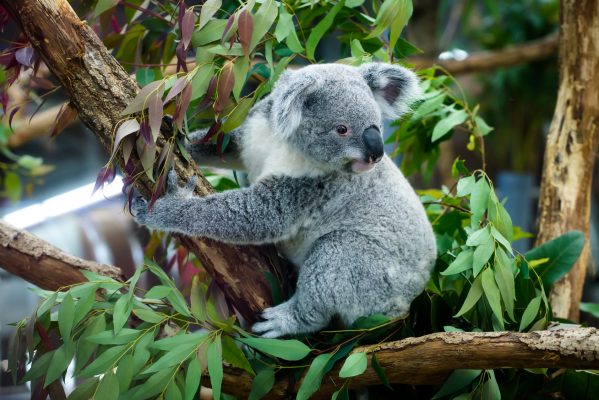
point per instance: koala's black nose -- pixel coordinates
(374, 144)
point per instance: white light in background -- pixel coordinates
(454, 54)
(64, 203)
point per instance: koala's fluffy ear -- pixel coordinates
(394, 87)
(288, 95)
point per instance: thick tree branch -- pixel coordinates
(99, 88)
(489, 60)
(565, 199)
(427, 360)
(42, 264)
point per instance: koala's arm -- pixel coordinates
(266, 212)
(206, 153)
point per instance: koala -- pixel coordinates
(323, 191)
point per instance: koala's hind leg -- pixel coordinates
(207, 153)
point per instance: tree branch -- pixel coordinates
(489, 60)
(99, 89)
(427, 360)
(42, 264)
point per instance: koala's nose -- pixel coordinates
(374, 144)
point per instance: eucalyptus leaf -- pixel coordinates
(290, 350)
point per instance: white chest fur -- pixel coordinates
(264, 154)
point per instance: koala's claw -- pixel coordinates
(173, 187)
(139, 209)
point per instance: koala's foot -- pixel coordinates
(288, 319)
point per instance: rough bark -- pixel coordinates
(42, 264)
(564, 202)
(99, 88)
(427, 360)
(489, 60)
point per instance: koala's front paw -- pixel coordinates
(139, 210)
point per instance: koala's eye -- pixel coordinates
(341, 129)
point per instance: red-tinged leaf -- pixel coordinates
(224, 86)
(214, 129)
(177, 88)
(127, 148)
(145, 132)
(115, 24)
(245, 27)
(66, 115)
(147, 155)
(155, 114)
(228, 29)
(182, 107)
(42, 82)
(187, 24)
(11, 116)
(163, 152)
(126, 128)
(24, 56)
(106, 175)
(158, 191)
(181, 53)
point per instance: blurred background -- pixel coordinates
(53, 198)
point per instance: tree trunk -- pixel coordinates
(99, 89)
(564, 202)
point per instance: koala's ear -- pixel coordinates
(394, 87)
(288, 95)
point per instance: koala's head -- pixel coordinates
(333, 114)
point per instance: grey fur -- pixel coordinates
(361, 242)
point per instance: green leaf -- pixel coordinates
(145, 314)
(209, 8)
(354, 365)
(474, 294)
(60, 362)
(85, 348)
(321, 28)
(238, 115)
(104, 5)
(240, 71)
(341, 394)
(212, 32)
(456, 381)
(173, 392)
(158, 292)
(501, 239)
(500, 218)
(530, 313)
(180, 340)
(445, 125)
(178, 302)
(84, 390)
(374, 363)
(290, 350)
(562, 252)
(401, 19)
(153, 386)
(39, 366)
(85, 303)
(479, 199)
(481, 256)
(262, 383)
(215, 366)
(263, 20)
(234, 356)
(108, 388)
(492, 294)
(505, 281)
(104, 361)
(293, 42)
(461, 263)
(192, 383)
(174, 356)
(385, 17)
(313, 377)
(125, 372)
(591, 308)
(47, 304)
(108, 337)
(120, 313)
(465, 185)
(66, 316)
(481, 125)
(198, 309)
(491, 388)
(479, 237)
(284, 25)
(12, 186)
